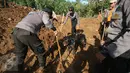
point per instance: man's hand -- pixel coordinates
(55, 33)
(102, 42)
(100, 57)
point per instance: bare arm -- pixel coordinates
(67, 16)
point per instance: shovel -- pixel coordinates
(60, 68)
(61, 25)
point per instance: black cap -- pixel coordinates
(71, 8)
(48, 10)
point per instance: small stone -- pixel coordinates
(9, 19)
(25, 7)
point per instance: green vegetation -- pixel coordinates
(61, 6)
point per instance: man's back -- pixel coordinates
(34, 20)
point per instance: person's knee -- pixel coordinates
(39, 49)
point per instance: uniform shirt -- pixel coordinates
(122, 44)
(34, 20)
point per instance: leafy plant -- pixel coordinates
(61, 6)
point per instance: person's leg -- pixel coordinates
(2, 3)
(129, 66)
(107, 64)
(73, 29)
(101, 30)
(36, 45)
(120, 66)
(7, 5)
(20, 51)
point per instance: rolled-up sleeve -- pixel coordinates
(48, 23)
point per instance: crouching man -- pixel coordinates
(25, 35)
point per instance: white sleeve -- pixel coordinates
(54, 15)
(46, 20)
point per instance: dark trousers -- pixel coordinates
(122, 65)
(105, 66)
(5, 2)
(73, 28)
(117, 65)
(24, 39)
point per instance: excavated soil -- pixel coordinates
(83, 62)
